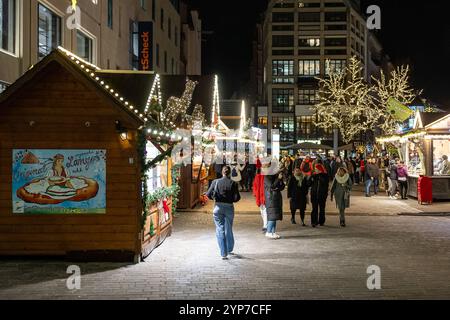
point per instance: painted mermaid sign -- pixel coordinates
(59, 181)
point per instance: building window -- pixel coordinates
(335, 42)
(153, 10)
(3, 86)
(157, 54)
(307, 42)
(110, 13)
(307, 97)
(165, 61)
(335, 66)
(301, 4)
(335, 16)
(169, 28)
(309, 67)
(335, 27)
(282, 41)
(8, 25)
(85, 46)
(176, 35)
(305, 127)
(49, 31)
(286, 126)
(283, 67)
(162, 19)
(134, 45)
(309, 17)
(283, 17)
(283, 100)
(262, 122)
(283, 27)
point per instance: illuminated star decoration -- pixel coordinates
(74, 4)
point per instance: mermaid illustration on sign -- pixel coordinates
(58, 185)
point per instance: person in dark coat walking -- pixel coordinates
(298, 188)
(340, 190)
(319, 193)
(225, 192)
(273, 186)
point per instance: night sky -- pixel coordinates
(418, 34)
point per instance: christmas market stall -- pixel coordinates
(194, 113)
(425, 150)
(84, 163)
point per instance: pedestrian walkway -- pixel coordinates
(380, 205)
(324, 263)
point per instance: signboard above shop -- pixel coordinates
(146, 44)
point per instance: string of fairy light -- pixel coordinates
(90, 70)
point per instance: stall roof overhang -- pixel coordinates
(426, 120)
(83, 71)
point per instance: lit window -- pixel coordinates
(286, 127)
(307, 96)
(85, 46)
(49, 31)
(7, 25)
(283, 100)
(335, 66)
(306, 42)
(283, 67)
(309, 67)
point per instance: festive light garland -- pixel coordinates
(216, 104)
(87, 66)
(178, 106)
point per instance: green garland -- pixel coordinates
(149, 199)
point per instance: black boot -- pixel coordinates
(293, 220)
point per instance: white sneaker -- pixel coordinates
(276, 236)
(269, 235)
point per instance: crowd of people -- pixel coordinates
(308, 180)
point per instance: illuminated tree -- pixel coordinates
(344, 101)
(397, 86)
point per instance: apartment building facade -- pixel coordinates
(107, 34)
(302, 40)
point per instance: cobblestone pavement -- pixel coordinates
(325, 263)
(379, 205)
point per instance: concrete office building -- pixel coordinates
(107, 35)
(299, 37)
(191, 40)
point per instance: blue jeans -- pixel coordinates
(271, 226)
(223, 218)
(368, 185)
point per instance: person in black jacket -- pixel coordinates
(225, 192)
(273, 186)
(298, 187)
(319, 193)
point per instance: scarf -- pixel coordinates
(299, 180)
(342, 180)
(320, 168)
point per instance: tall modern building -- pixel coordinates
(110, 34)
(304, 39)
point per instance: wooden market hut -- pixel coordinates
(64, 105)
(192, 178)
(422, 149)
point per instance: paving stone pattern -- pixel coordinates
(325, 263)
